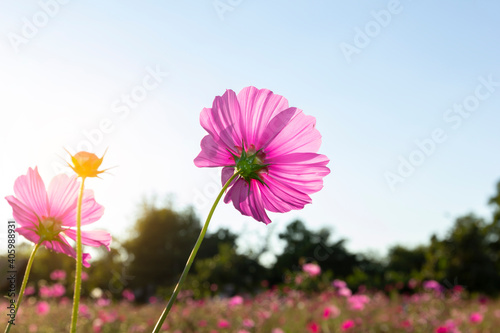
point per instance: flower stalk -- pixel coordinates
(79, 260)
(23, 285)
(192, 256)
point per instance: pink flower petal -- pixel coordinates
(222, 121)
(249, 203)
(30, 190)
(63, 194)
(29, 234)
(212, 154)
(258, 107)
(22, 214)
(91, 211)
(94, 238)
(299, 136)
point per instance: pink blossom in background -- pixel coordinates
(153, 300)
(49, 215)
(128, 295)
(222, 323)
(85, 276)
(277, 330)
(58, 290)
(84, 310)
(45, 292)
(30, 290)
(313, 327)
(97, 325)
(345, 292)
(312, 269)
(331, 312)
(33, 328)
(236, 300)
(58, 274)
(358, 302)
(42, 308)
(101, 302)
(272, 146)
(339, 284)
(475, 317)
(347, 325)
(432, 285)
(442, 329)
(248, 323)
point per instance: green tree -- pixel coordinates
(161, 242)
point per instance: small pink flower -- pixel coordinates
(476, 317)
(331, 312)
(313, 327)
(236, 300)
(339, 284)
(249, 323)
(347, 325)
(83, 310)
(48, 216)
(58, 274)
(101, 302)
(85, 276)
(30, 290)
(271, 146)
(128, 295)
(45, 292)
(442, 329)
(58, 290)
(312, 269)
(153, 300)
(345, 292)
(223, 324)
(42, 308)
(432, 285)
(33, 328)
(278, 330)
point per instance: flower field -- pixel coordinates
(278, 310)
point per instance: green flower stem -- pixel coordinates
(25, 282)
(79, 260)
(192, 256)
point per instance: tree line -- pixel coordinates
(152, 258)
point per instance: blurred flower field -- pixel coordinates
(428, 308)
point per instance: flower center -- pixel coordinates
(49, 228)
(250, 164)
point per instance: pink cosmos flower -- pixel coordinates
(331, 312)
(223, 324)
(313, 327)
(270, 145)
(58, 274)
(42, 308)
(339, 284)
(128, 295)
(49, 215)
(347, 325)
(312, 269)
(30, 290)
(235, 300)
(476, 317)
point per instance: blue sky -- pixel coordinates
(67, 70)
